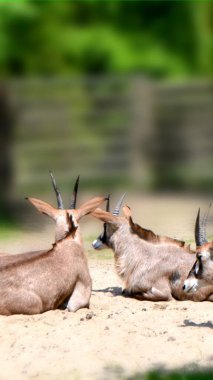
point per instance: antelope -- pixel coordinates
(152, 267)
(200, 277)
(34, 282)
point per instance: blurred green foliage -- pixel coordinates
(206, 375)
(168, 39)
(161, 374)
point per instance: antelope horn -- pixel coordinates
(108, 203)
(57, 192)
(75, 193)
(118, 205)
(200, 228)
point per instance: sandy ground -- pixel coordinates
(117, 337)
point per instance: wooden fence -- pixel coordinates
(113, 131)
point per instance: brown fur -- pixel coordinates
(33, 283)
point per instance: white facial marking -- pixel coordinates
(97, 244)
(94, 243)
(197, 266)
(205, 255)
(190, 285)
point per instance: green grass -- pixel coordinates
(105, 254)
(118, 373)
(207, 375)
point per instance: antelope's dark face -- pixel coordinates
(111, 224)
(104, 239)
(201, 273)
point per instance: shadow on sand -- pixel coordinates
(187, 323)
(114, 290)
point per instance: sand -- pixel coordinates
(116, 335)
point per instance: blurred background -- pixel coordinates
(118, 92)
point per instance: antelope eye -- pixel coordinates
(199, 256)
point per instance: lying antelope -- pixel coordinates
(152, 267)
(200, 277)
(35, 282)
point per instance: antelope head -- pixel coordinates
(65, 218)
(201, 273)
(111, 223)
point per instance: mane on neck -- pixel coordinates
(153, 238)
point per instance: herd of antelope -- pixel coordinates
(152, 267)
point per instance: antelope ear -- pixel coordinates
(105, 216)
(89, 206)
(128, 215)
(43, 207)
(127, 212)
(143, 233)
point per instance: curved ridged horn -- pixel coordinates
(198, 238)
(57, 192)
(75, 193)
(108, 203)
(200, 228)
(118, 205)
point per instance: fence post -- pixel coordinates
(142, 100)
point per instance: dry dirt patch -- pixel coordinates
(116, 332)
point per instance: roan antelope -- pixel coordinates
(152, 267)
(200, 277)
(35, 282)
